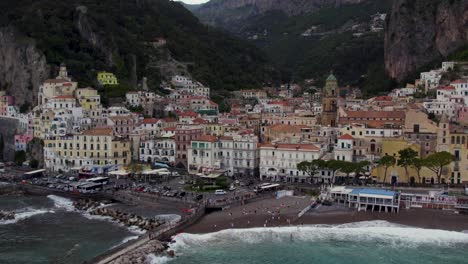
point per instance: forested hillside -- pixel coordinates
(90, 36)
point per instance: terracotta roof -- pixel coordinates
(104, 131)
(376, 114)
(459, 81)
(383, 98)
(305, 147)
(169, 129)
(226, 138)
(188, 114)
(283, 128)
(449, 87)
(200, 121)
(346, 136)
(207, 138)
(150, 121)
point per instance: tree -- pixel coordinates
(418, 165)
(406, 159)
(135, 168)
(2, 146)
(359, 168)
(34, 164)
(347, 168)
(311, 167)
(387, 162)
(437, 162)
(334, 166)
(20, 157)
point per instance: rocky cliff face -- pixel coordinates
(421, 31)
(23, 66)
(222, 11)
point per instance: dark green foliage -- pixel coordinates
(20, 157)
(122, 28)
(34, 164)
(338, 50)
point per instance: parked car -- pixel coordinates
(220, 192)
(232, 188)
(199, 197)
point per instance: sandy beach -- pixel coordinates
(284, 211)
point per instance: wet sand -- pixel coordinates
(283, 212)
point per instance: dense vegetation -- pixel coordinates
(355, 60)
(120, 30)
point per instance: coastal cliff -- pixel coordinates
(420, 31)
(23, 67)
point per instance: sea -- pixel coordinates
(357, 243)
(48, 229)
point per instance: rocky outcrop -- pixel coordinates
(220, 12)
(23, 66)
(84, 26)
(8, 129)
(94, 208)
(7, 215)
(420, 31)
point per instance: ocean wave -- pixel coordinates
(370, 231)
(62, 203)
(24, 214)
(154, 259)
(67, 205)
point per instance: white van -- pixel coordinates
(220, 192)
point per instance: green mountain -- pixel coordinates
(90, 36)
(307, 39)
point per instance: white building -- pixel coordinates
(344, 148)
(239, 154)
(133, 99)
(162, 149)
(203, 155)
(278, 162)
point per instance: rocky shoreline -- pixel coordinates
(95, 208)
(7, 215)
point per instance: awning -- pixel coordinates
(119, 173)
(162, 165)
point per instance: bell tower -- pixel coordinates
(329, 102)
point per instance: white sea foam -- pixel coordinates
(62, 203)
(371, 231)
(154, 259)
(24, 214)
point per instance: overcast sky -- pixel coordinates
(194, 1)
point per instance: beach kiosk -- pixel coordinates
(374, 200)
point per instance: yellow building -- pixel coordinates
(88, 98)
(96, 149)
(107, 78)
(458, 171)
(397, 174)
(215, 129)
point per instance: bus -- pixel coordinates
(89, 187)
(34, 174)
(100, 180)
(2, 167)
(266, 187)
